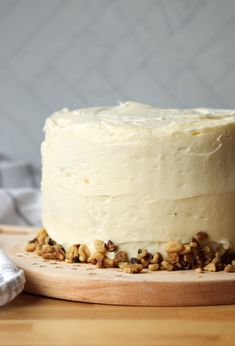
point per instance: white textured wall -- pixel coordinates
(57, 53)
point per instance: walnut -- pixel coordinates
(120, 256)
(157, 258)
(49, 255)
(185, 249)
(132, 268)
(110, 246)
(173, 257)
(109, 263)
(229, 268)
(193, 243)
(166, 266)
(174, 246)
(31, 247)
(142, 253)
(207, 251)
(199, 270)
(216, 259)
(71, 253)
(153, 266)
(202, 236)
(188, 258)
(144, 261)
(47, 249)
(83, 253)
(210, 267)
(41, 236)
(100, 246)
(100, 263)
(60, 252)
(38, 250)
(94, 257)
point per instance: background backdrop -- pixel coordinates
(73, 53)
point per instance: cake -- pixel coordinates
(139, 176)
(138, 187)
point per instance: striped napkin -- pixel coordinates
(20, 204)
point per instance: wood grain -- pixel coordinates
(35, 321)
(86, 283)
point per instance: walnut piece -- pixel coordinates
(210, 267)
(199, 254)
(157, 258)
(131, 268)
(111, 246)
(83, 253)
(174, 246)
(229, 268)
(167, 266)
(153, 266)
(120, 256)
(100, 246)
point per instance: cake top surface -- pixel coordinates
(133, 114)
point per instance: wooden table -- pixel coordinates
(33, 320)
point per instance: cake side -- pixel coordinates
(139, 176)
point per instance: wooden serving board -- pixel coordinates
(86, 283)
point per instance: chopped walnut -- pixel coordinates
(60, 253)
(174, 246)
(100, 263)
(109, 263)
(132, 268)
(83, 253)
(38, 250)
(120, 256)
(111, 246)
(153, 266)
(199, 270)
(71, 253)
(194, 243)
(166, 266)
(185, 249)
(145, 262)
(100, 246)
(229, 268)
(202, 236)
(142, 253)
(173, 257)
(42, 234)
(210, 267)
(199, 253)
(49, 255)
(216, 259)
(47, 249)
(188, 258)
(31, 247)
(95, 257)
(157, 258)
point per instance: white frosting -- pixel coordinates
(139, 175)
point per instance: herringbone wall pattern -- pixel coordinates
(73, 53)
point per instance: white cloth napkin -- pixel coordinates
(12, 280)
(20, 204)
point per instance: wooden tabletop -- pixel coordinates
(33, 320)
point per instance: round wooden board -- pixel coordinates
(86, 283)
